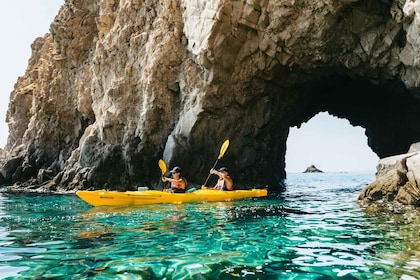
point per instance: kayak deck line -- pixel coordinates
(106, 197)
(127, 198)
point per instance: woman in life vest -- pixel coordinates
(224, 183)
(178, 183)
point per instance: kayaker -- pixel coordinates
(225, 182)
(178, 183)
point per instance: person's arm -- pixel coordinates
(181, 181)
(215, 172)
(166, 179)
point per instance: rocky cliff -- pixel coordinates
(118, 84)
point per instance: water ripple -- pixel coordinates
(315, 230)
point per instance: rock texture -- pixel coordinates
(118, 84)
(397, 180)
(312, 169)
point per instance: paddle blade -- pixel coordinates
(162, 166)
(223, 148)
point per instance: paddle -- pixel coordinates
(222, 152)
(162, 166)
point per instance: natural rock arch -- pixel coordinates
(150, 79)
(388, 112)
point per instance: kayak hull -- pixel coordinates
(114, 198)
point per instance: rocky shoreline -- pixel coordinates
(397, 181)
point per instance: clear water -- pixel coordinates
(316, 230)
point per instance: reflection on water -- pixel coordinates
(315, 230)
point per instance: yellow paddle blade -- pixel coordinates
(223, 148)
(162, 166)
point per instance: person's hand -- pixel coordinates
(212, 171)
(203, 187)
(163, 179)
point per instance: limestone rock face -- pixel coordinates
(118, 84)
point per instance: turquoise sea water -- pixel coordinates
(315, 230)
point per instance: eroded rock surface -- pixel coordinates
(118, 84)
(397, 180)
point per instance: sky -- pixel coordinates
(329, 143)
(21, 22)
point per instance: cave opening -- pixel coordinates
(386, 112)
(384, 108)
(330, 144)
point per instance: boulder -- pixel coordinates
(397, 180)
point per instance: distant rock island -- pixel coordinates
(312, 169)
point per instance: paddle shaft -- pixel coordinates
(222, 152)
(214, 166)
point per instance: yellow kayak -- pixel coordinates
(114, 198)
